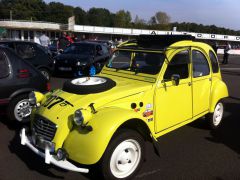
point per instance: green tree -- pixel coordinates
(58, 12)
(122, 19)
(139, 23)
(23, 9)
(99, 17)
(162, 18)
(80, 16)
(152, 20)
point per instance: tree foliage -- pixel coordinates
(122, 19)
(39, 10)
(99, 17)
(162, 18)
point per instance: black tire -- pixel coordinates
(121, 137)
(12, 105)
(46, 73)
(214, 121)
(68, 86)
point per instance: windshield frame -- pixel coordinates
(133, 52)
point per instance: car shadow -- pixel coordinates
(228, 132)
(33, 161)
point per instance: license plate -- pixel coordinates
(65, 68)
(42, 144)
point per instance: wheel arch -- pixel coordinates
(137, 125)
(104, 127)
(20, 92)
(219, 91)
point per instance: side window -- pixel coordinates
(25, 51)
(178, 65)
(98, 50)
(200, 64)
(214, 61)
(4, 66)
(105, 50)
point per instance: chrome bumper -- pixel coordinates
(48, 157)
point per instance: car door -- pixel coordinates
(173, 103)
(5, 89)
(201, 82)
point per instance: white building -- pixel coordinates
(31, 30)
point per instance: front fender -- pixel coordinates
(88, 147)
(219, 91)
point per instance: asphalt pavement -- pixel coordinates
(190, 152)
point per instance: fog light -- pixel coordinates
(61, 154)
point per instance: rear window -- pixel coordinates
(25, 51)
(4, 66)
(214, 62)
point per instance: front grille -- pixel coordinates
(44, 128)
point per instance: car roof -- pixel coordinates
(88, 42)
(163, 42)
(155, 42)
(18, 41)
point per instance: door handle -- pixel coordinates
(210, 79)
(189, 83)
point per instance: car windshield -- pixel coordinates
(79, 49)
(138, 62)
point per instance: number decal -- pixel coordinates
(58, 100)
(54, 100)
(49, 101)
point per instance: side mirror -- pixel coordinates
(99, 53)
(175, 79)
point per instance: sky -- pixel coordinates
(222, 13)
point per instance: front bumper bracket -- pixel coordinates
(64, 164)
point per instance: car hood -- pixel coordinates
(73, 57)
(123, 91)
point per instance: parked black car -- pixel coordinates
(53, 48)
(34, 53)
(17, 79)
(82, 58)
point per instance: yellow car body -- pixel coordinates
(144, 102)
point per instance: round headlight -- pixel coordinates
(78, 63)
(78, 117)
(32, 99)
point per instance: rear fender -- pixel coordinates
(219, 91)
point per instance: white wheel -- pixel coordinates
(216, 117)
(124, 155)
(88, 81)
(218, 114)
(45, 73)
(125, 158)
(22, 110)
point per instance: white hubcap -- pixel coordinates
(22, 109)
(88, 81)
(45, 74)
(218, 114)
(125, 158)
